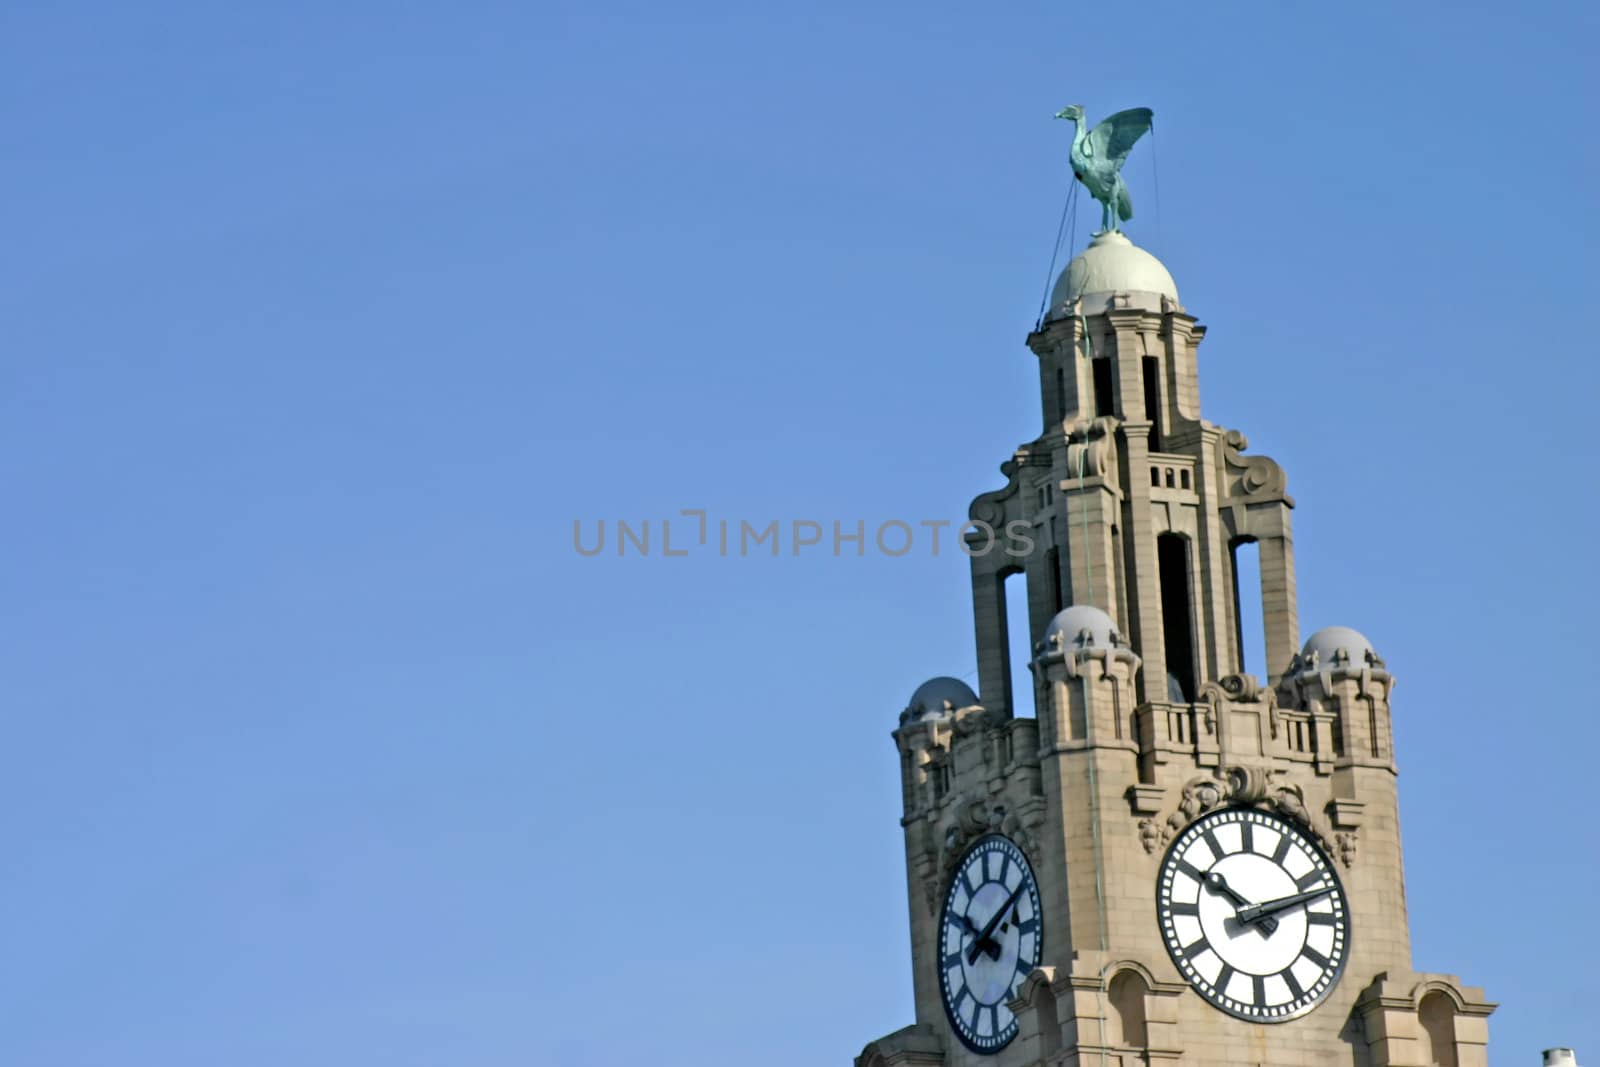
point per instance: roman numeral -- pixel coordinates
(1282, 850)
(1294, 987)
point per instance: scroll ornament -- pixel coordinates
(1258, 475)
(1238, 786)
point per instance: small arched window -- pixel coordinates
(1438, 1016)
(1128, 1028)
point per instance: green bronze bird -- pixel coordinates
(1097, 158)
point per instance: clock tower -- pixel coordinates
(1176, 860)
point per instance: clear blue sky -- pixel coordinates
(324, 322)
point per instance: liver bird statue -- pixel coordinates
(1097, 158)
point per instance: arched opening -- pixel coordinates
(1019, 642)
(1437, 1014)
(1249, 628)
(1104, 400)
(1152, 399)
(1053, 569)
(1177, 616)
(1127, 1023)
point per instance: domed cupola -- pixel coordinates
(1079, 628)
(1112, 265)
(1336, 648)
(936, 698)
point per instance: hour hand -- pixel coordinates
(979, 942)
(1216, 882)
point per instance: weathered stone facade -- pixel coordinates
(1146, 720)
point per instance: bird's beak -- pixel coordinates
(1062, 114)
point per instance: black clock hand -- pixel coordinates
(1258, 912)
(994, 920)
(978, 940)
(1215, 881)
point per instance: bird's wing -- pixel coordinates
(1114, 137)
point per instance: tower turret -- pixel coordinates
(1135, 502)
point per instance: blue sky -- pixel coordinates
(325, 322)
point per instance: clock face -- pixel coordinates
(1253, 915)
(989, 940)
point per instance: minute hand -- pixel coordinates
(1272, 907)
(988, 927)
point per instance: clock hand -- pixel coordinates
(994, 921)
(979, 941)
(1215, 881)
(1257, 912)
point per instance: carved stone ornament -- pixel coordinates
(975, 720)
(1346, 843)
(1090, 447)
(974, 818)
(1259, 787)
(1238, 689)
(1258, 475)
(990, 508)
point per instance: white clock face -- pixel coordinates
(989, 940)
(1253, 915)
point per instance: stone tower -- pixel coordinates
(1209, 867)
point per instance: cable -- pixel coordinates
(1055, 252)
(1155, 178)
(1099, 858)
(1088, 730)
(1083, 511)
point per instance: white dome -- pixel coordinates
(1112, 264)
(936, 697)
(1333, 647)
(1080, 626)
